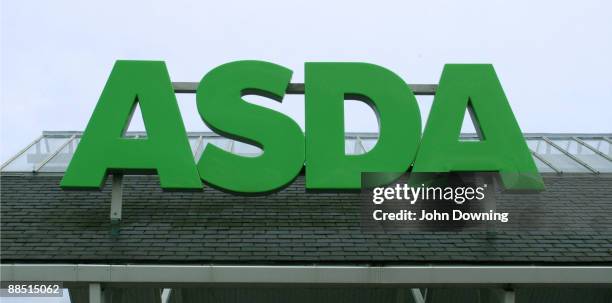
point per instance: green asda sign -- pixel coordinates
(286, 149)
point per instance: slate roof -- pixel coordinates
(42, 223)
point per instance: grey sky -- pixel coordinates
(553, 57)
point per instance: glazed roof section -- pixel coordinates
(553, 153)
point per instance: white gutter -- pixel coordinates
(213, 274)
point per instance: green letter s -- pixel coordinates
(220, 104)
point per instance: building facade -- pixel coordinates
(131, 241)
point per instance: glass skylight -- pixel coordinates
(553, 153)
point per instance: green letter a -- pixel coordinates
(165, 149)
(502, 149)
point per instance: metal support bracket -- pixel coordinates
(95, 293)
(165, 295)
(116, 203)
(299, 88)
(418, 296)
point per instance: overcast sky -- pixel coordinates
(554, 58)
